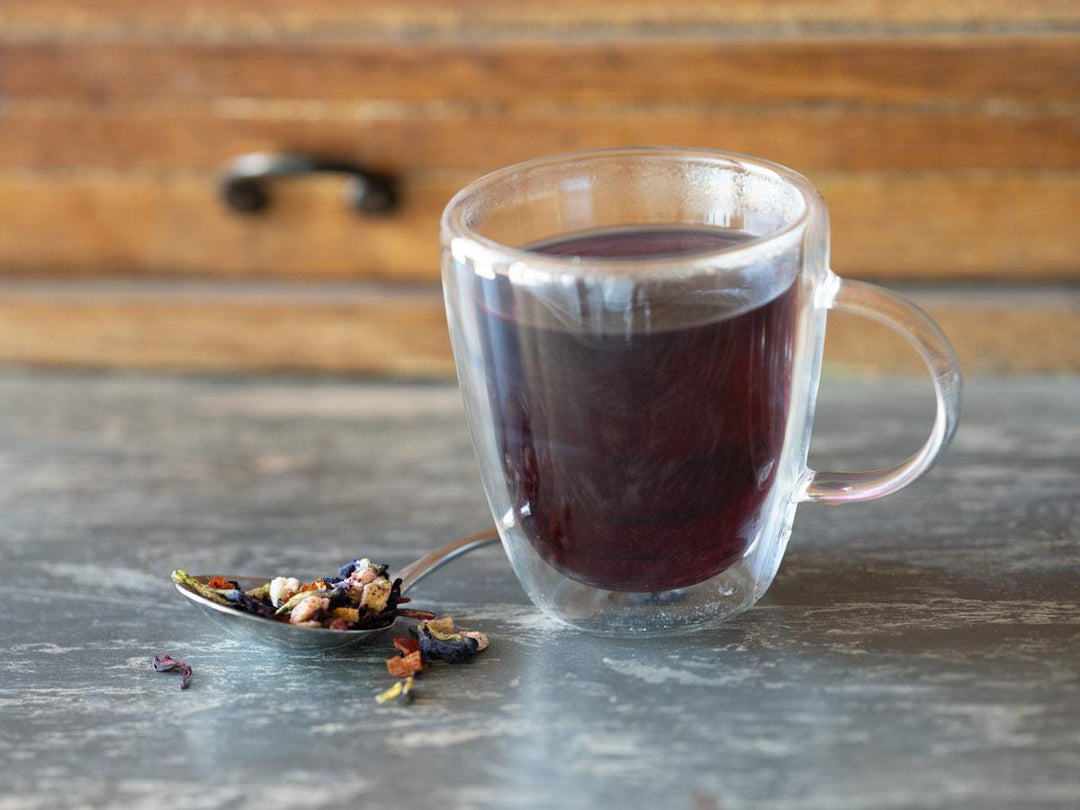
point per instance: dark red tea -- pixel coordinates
(639, 460)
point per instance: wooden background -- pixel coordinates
(945, 136)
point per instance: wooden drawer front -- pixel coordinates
(944, 135)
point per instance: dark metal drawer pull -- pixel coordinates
(244, 181)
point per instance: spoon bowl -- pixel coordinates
(248, 626)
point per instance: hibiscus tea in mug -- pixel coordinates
(640, 459)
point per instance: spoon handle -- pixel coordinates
(414, 572)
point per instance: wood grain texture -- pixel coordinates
(42, 135)
(945, 135)
(939, 226)
(213, 328)
(100, 223)
(920, 71)
(360, 329)
(274, 19)
(927, 225)
(1008, 330)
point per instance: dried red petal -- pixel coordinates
(407, 644)
(219, 584)
(166, 663)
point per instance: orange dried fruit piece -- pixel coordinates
(351, 615)
(314, 585)
(405, 666)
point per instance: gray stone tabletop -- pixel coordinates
(920, 651)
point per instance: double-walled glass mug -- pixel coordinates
(638, 336)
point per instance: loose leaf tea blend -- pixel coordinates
(433, 639)
(361, 597)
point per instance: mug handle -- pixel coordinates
(912, 323)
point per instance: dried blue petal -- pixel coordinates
(453, 651)
(249, 604)
(347, 569)
(339, 594)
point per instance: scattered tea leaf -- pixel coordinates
(298, 598)
(438, 641)
(166, 663)
(185, 580)
(402, 666)
(409, 613)
(480, 638)
(366, 600)
(249, 604)
(402, 691)
(262, 593)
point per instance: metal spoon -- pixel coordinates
(282, 634)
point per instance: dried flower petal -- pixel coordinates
(407, 644)
(438, 640)
(452, 652)
(249, 604)
(441, 627)
(480, 638)
(166, 663)
(402, 691)
(454, 648)
(347, 569)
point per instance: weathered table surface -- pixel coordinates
(921, 651)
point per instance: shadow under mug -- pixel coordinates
(638, 336)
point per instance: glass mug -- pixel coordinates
(638, 337)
